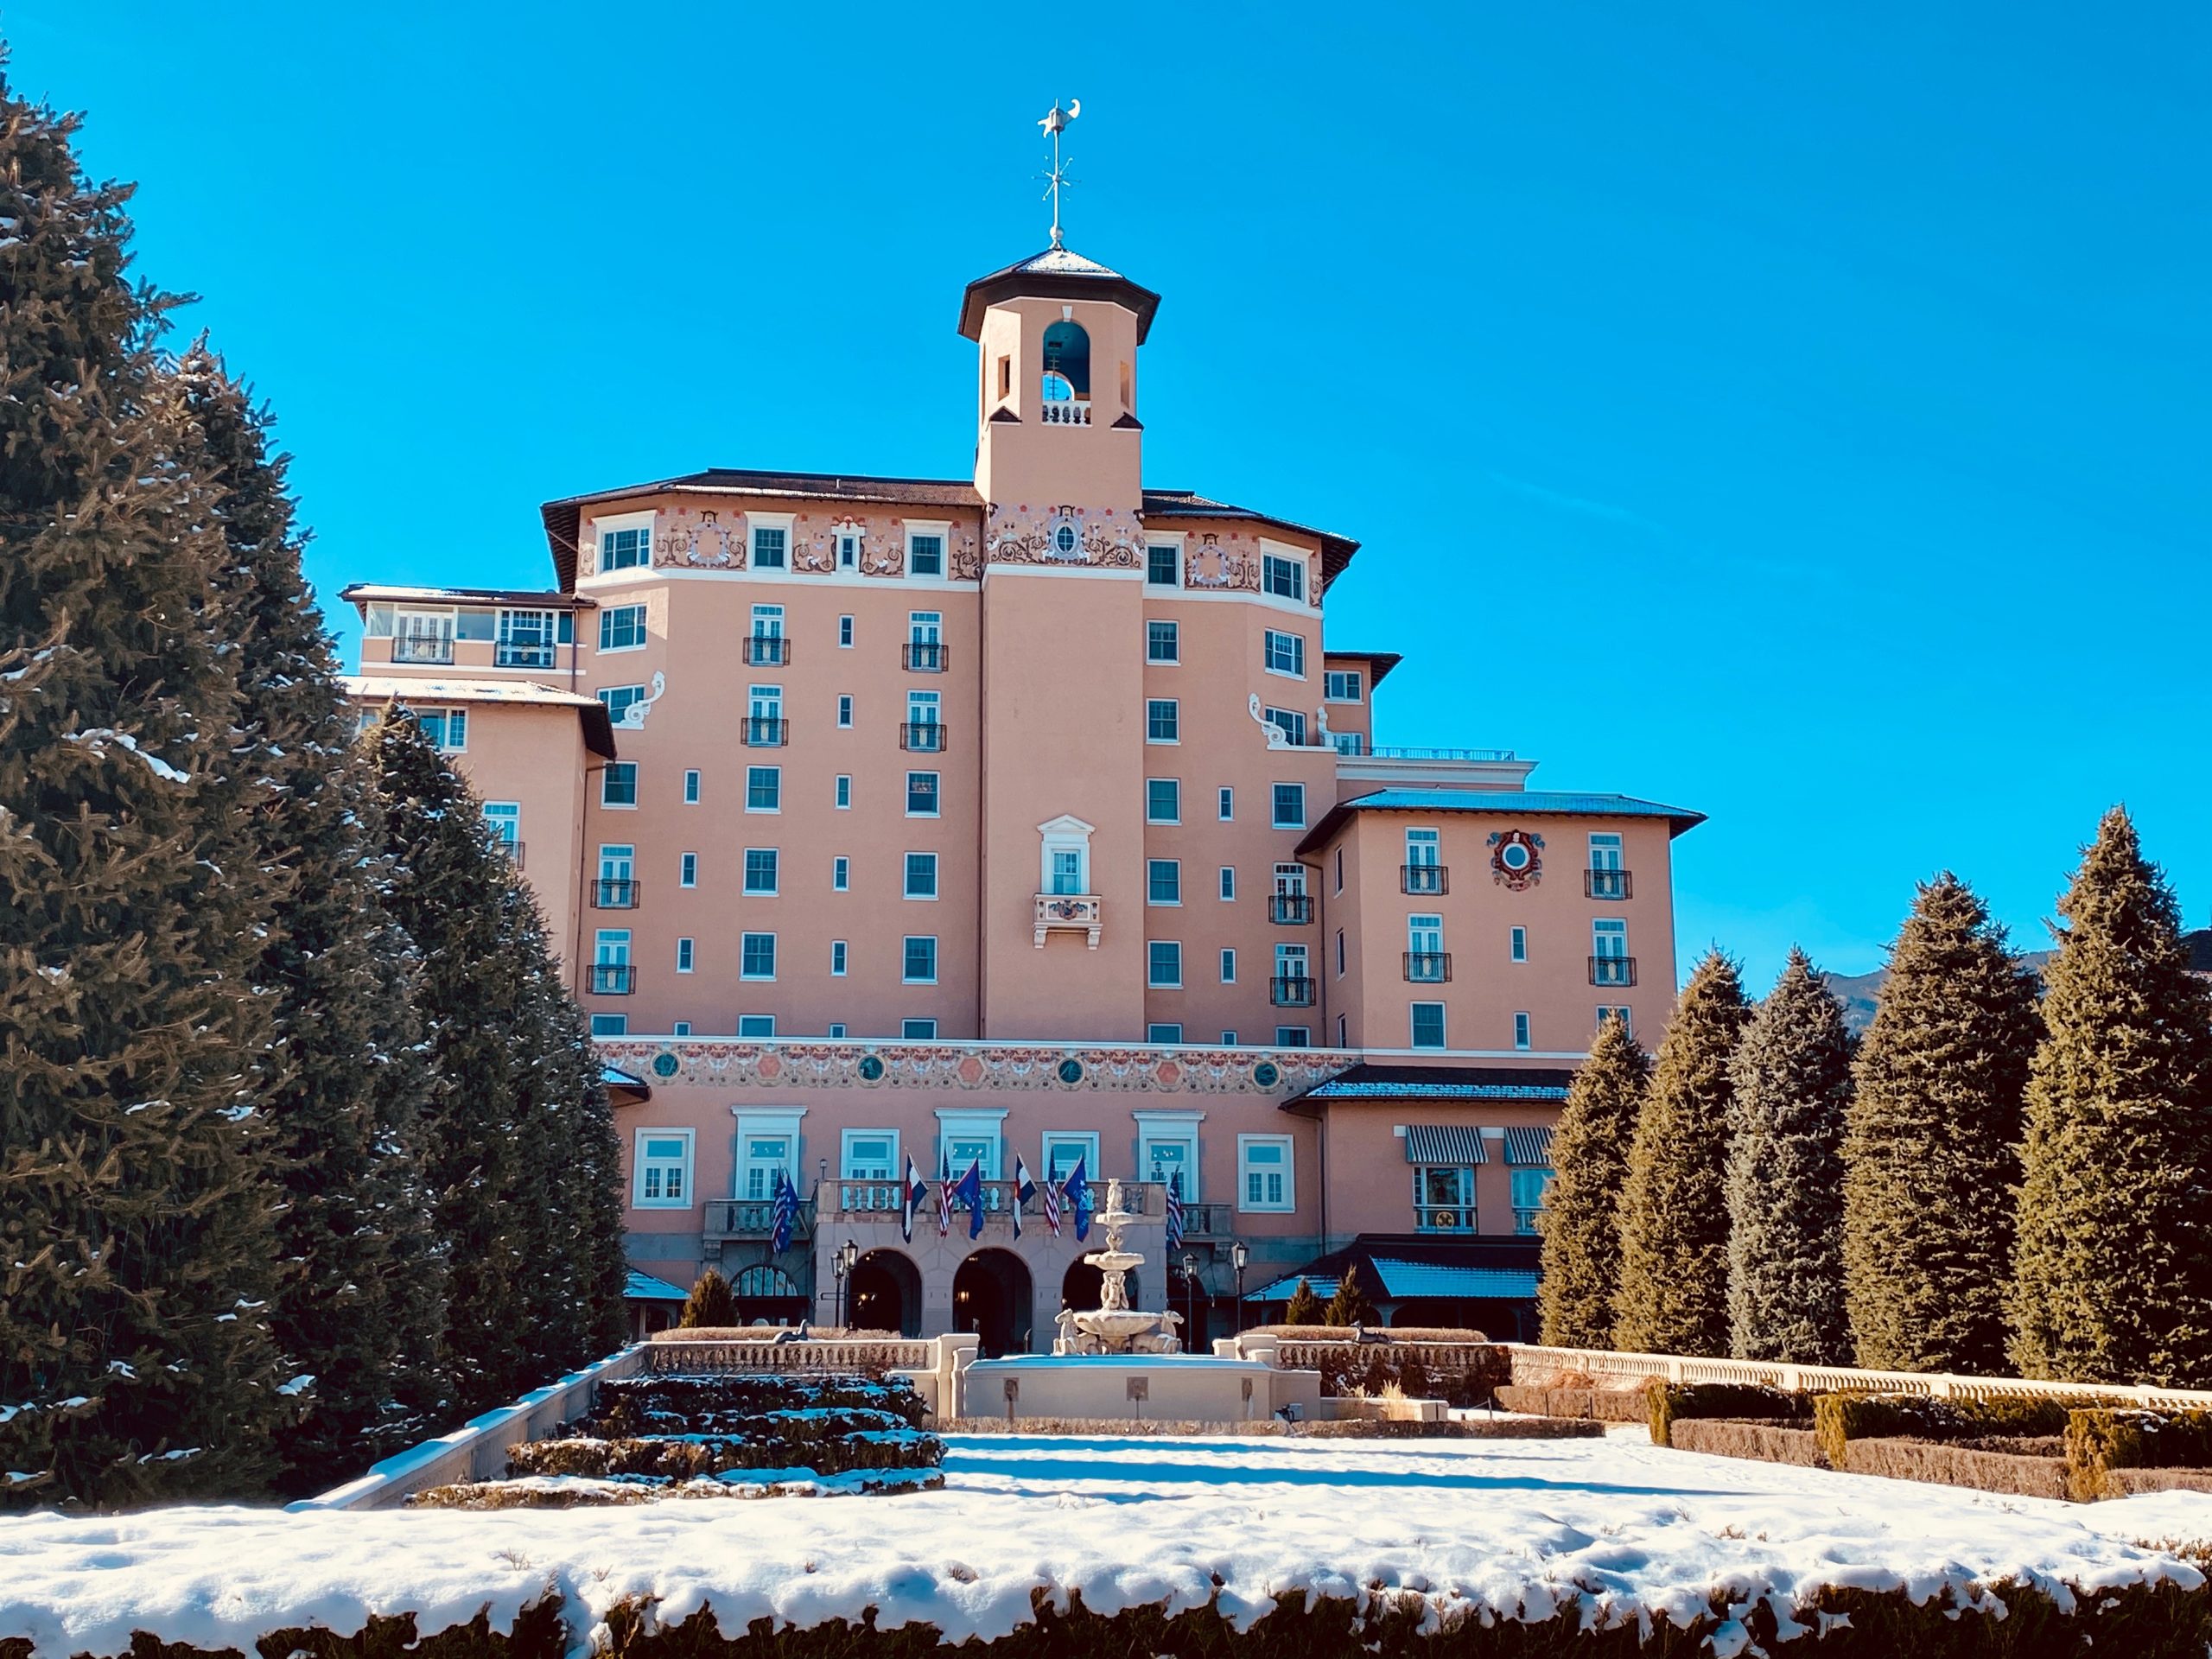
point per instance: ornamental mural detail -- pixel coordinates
(1516, 858)
(1098, 538)
(701, 541)
(1216, 567)
(725, 1063)
(714, 538)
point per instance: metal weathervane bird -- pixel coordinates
(1056, 124)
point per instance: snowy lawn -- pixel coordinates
(1623, 1529)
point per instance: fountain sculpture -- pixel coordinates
(1115, 1327)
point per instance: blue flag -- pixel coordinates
(970, 1192)
(1078, 1191)
(786, 1212)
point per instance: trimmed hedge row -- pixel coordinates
(2102, 1444)
(1763, 1442)
(2146, 1622)
(1460, 1376)
(704, 1402)
(1606, 1405)
(831, 1451)
(1331, 1428)
(1840, 1419)
(1736, 1402)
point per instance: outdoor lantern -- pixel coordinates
(1239, 1253)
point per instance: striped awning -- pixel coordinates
(1445, 1143)
(1529, 1147)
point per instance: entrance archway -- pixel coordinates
(991, 1296)
(885, 1293)
(765, 1295)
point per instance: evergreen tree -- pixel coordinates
(453, 892)
(1350, 1304)
(1931, 1153)
(361, 1307)
(710, 1305)
(135, 1216)
(1673, 1287)
(1581, 1219)
(2112, 1273)
(1792, 1078)
(1305, 1306)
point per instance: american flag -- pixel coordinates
(1174, 1210)
(943, 1193)
(1051, 1202)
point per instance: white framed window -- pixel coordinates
(1344, 1027)
(1616, 1011)
(1284, 653)
(764, 789)
(868, 1155)
(622, 627)
(618, 700)
(690, 789)
(1609, 961)
(1064, 851)
(771, 539)
(1340, 953)
(921, 875)
(841, 873)
(1163, 881)
(1168, 1144)
(1228, 1040)
(768, 626)
(922, 707)
(926, 544)
(925, 629)
(687, 870)
(1521, 1030)
(1340, 869)
(1163, 564)
(1347, 743)
(1163, 964)
(1163, 720)
(628, 549)
(845, 709)
(844, 633)
(1060, 1150)
(756, 1024)
(1163, 642)
(1228, 966)
(1294, 1036)
(1163, 1033)
(1281, 577)
(971, 1137)
(1342, 685)
(610, 947)
(837, 1030)
(1266, 1173)
(917, 1031)
(1163, 800)
(527, 638)
(761, 868)
(1425, 937)
(1229, 883)
(505, 819)
(610, 1024)
(847, 542)
(684, 954)
(618, 785)
(1225, 804)
(661, 1170)
(1516, 944)
(844, 793)
(756, 956)
(765, 1148)
(840, 953)
(1289, 721)
(1424, 853)
(921, 795)
(446, 728)
(680, 1028)
(1428, 1025)
(919, 960)
(1290, 806)
(1290, 880)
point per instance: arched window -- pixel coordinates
(1067, 362)
(763, 1280)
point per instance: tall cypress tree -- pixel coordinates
(136, 1215)
(454, 894)
(2112, 1272)
(1673, 1287)
(1792, 1077)
(1580, 1220)
(360, 1309)
(1931, 1153)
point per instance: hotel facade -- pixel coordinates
(1021, 822)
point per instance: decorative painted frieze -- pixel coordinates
(725, 1063)
(1098, 538)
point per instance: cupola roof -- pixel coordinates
(1056, 274)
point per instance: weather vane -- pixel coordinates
(1056, 124)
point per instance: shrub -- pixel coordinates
(672, 1403)
(1749, 1401)
(2100, 1439)
(2008, 1468)
(1350, 1306)
(1762, 1442)
(710, 1303)
(1305, 1306)
(1840, 1419)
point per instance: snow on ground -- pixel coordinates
(1622, 1529)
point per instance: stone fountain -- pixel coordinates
(1115, 1327)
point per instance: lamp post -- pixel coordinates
(849, 1257)
(837, 1272)
(1191, 1291)
(1239, 1253)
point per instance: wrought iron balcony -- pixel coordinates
(1524, 1221)
(1290, 991)
(1428, 967)
(922, 736)
(753, 1218)
(511, 849)
(924, 657)
(422, 648)
(1445, 1218)
(1290, 909)
(762, 733)
(1432, 879)
(767, 650)
(1073, 913)
(1612, 970)
(523, 656)
(613, 978)
(615, 892)
(1605, 884)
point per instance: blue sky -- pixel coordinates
(1799, 413)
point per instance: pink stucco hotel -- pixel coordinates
(1023, 820)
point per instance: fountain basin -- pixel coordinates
(1110, 1325)
(1157, 1388)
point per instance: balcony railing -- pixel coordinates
(1391, 752)
(767, 650)
(1445, 1218)
(1072, 912)
(1612, 970)
(422, 648)
(922, 736)
(518, 656)
(1428, 967)
(1290, 909)
(864, 1199)
(753, 1218)
(1524, 1221)
(1431, 879)
(924, 657)
(613, 978)
(615, 892)
(1064, 414)
(1605, 884)
(511, 849)
(764, 733)
(1290, 991)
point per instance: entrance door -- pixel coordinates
(991, 1297)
